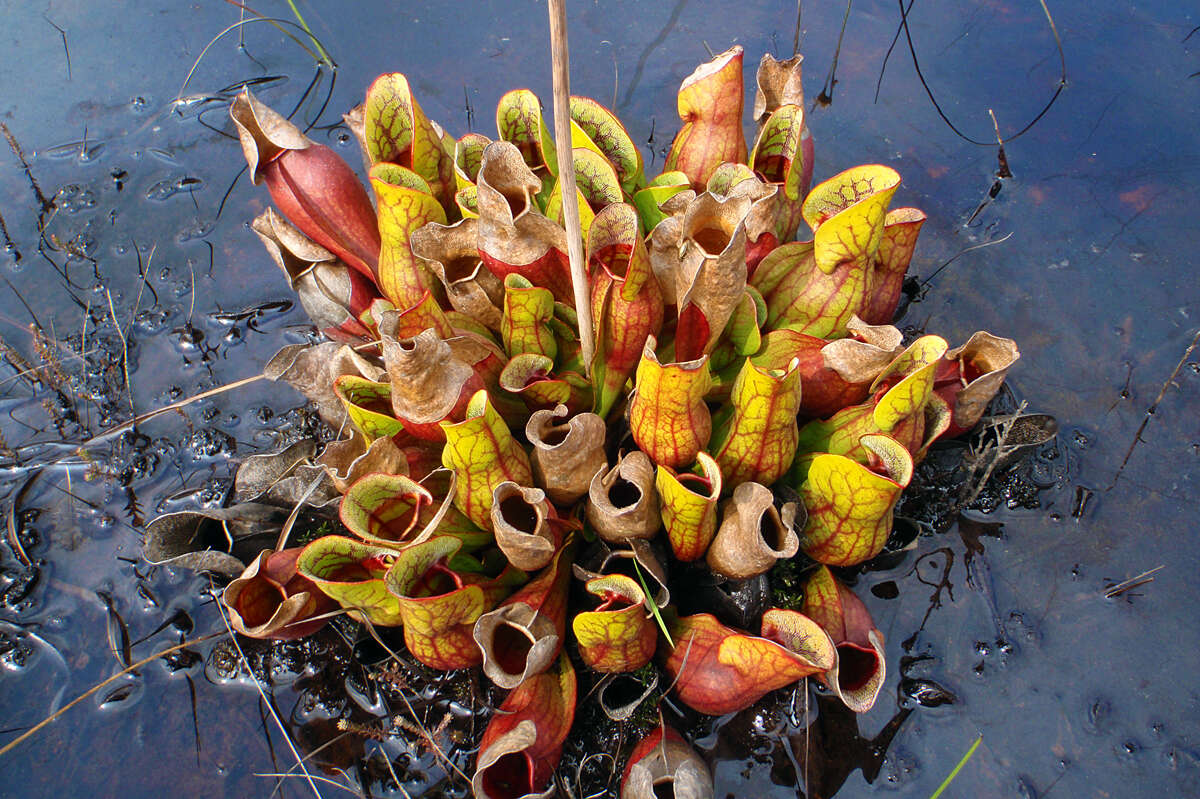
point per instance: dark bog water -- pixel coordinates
(1089, 266)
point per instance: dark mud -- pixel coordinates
(133, 261)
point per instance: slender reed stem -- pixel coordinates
(566, 177)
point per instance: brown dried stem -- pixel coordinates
(566, 176)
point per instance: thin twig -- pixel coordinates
(1132, 582)
(35, 728)
(310, 778)
(66, 49)
(286, 530)
(1162, 392)
(124, 352)
(325, 59)
(958, 255)
(16, 148)
(998, 452)
(796, 35)
(174, 406)
(262, 693)
(566, 175)
(423, 729)
(826, 96)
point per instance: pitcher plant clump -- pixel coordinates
(515, 508)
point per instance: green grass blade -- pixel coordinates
(651, 603)
(950, 778)
(325, 59)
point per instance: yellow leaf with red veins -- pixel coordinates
(777, 154)
(818, 287)
(405, 204)
(597, 188)
(519, 121)
(369, 406)
(468, 155)
(627, 303)
(710, 104)
(467, 200)
(912, 392)
(847, 214)
(530, 376)
(438, 605)
(859, 668)
(667, 415)
(720, 670)
(779, 157)
(618, 635)
(802, 298)
(397, 131)
(742, 337)
(483, 454)
(727, 176)
(757, 440)
(799, 634)
(351, 573)
(611, 139)
(850, 505)
(395, 510)
(385, 509)
(899, 411)
(554, 207)
(689, 506)
(402, 323)
(524, 324)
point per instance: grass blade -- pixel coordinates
(954, 773)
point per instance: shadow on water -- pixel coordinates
(1054, 618)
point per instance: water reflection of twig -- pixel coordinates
(1062, 81)
(825, 98)
(657, 41)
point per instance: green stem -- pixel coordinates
(325, 59)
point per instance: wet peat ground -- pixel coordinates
(1084, 256)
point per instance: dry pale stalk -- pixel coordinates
(566, 175)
